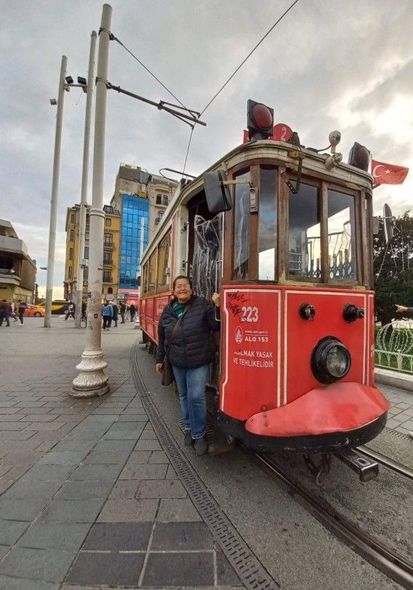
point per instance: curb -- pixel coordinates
(395, 379)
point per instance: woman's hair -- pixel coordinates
(181, 277)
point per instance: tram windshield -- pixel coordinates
(305, 247)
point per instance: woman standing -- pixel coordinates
(184, 333)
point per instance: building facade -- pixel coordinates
(142, 199)
(17, 269)
(111, 240)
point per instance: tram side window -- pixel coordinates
(152, 271)
(341, 236)
(145, 277)
(267, 224)
(163, 261)
(241, 227)
(304, 235)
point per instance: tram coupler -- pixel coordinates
(365, 467)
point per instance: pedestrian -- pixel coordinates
(13, 312)
(107, 313)
(122, 309)
(83, 317)
(185, 335)
(21, 309)
(71, 308)
(404, 309)
(115, 314)
(5, 311)
(132, 311)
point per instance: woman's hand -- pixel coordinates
(216, 299)
(400, 308)
(159, 367)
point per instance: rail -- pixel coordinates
(396, 361)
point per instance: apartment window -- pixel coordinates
(165, 199)
(107, 276)
(107, 257)
(108, 222)
(159, 199)
(108, 240)
(71, 254)
(72, 218)
(70, 272)
(72, 235)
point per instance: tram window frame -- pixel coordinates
(324, 186)
(163, 286)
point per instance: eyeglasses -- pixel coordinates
(182, 287)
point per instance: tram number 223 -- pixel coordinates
(249, 314)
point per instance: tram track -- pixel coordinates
(383, 558)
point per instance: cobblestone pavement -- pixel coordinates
(87, 494)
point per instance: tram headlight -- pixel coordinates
(330, 360)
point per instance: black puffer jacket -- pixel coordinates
(191, 344)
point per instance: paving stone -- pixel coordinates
(21, 489)
(22, 510)
(129, 510)
(73, 511)
(124, 490)
(119, 536)
(112, 569)
(168, 488)
(74, 445)
(181, 536)
(3, 550)
(23, 584)
(86, 489)
(107, 457)
(100, 471)
(176, 510)
(143, 471)
(179, 569)
(114, 445)
(148, 445)
(11, 530)
(140, 457)
(53, 535)
(47, 473)
(62, 458)
(41, 564)
(158, 457)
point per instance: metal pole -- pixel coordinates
(92, 380)
(54, 196)
(85, 171)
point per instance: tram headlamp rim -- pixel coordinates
(319, 360)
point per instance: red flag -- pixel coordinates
(387, 173)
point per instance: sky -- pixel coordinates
(329, 64)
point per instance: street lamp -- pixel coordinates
(54, 196)
(92, 380)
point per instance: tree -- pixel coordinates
(393, 268)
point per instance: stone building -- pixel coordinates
(17, 269)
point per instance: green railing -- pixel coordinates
(394, 347)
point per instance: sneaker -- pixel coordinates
(188, 440)
(201, 446)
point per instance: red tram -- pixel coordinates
(284, 233)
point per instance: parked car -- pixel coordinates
(36, 311)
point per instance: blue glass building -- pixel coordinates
(133, 239)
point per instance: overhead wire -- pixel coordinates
(215, 96)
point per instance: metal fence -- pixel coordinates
(396, 361)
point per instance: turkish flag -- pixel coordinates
(387, 173)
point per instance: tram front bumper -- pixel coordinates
(334, 408)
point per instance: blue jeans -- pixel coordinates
(191, 386)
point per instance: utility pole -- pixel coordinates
(85, 171)
(92, 380)
(54, 197)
